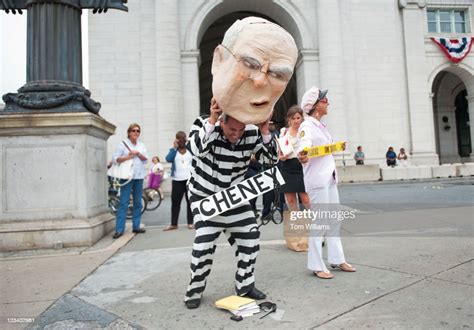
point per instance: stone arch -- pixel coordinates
(452, 86)
(463, 71)
(289, 17)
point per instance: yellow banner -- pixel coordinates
(325, 150)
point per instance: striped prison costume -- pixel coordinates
(218, 165)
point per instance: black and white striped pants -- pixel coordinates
(236, 224)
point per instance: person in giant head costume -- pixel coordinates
(251, 69)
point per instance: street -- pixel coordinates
(411, 243)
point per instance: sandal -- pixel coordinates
(170, 227)
(324, 274)
(345, 267)
(190, 226)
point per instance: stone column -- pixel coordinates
(190, 60)
(331, 67)
(423, 148)
(307, 71)
(470, 104)
(168, 74)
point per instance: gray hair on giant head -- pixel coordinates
(232, 33)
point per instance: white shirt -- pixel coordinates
(294, 141)
(139, 171)
(157, 168)
(318, 171)
(182, 165)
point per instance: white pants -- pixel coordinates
(322, 198)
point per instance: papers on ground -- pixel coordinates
(239, 306)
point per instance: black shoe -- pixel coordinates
(117, 235)
(255, 294)
(193, 303)
(139, 231)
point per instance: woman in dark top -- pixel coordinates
(391, 157)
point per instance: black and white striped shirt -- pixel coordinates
(217, 164)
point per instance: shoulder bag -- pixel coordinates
(124, 170)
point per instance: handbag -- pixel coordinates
(124, 170)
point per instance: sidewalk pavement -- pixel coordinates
(31, 281)
(415, 275)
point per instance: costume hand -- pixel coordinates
(215, 112)
(303, 157)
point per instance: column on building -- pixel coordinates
(168, 74)
(423, 147)
(190, 60)
(470, 104)
(149, 111)
(331, 66)
(307, 71)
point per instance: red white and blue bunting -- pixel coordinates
(455, 49)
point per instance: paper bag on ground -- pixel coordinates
(296, 232)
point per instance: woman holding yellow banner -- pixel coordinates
(320, 179)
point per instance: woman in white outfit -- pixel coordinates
(320, 179)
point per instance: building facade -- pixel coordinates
(389, 83)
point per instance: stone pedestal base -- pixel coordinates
(54, 183)
(42, 234)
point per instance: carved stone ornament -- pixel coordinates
(409, 3)
(51, 96)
